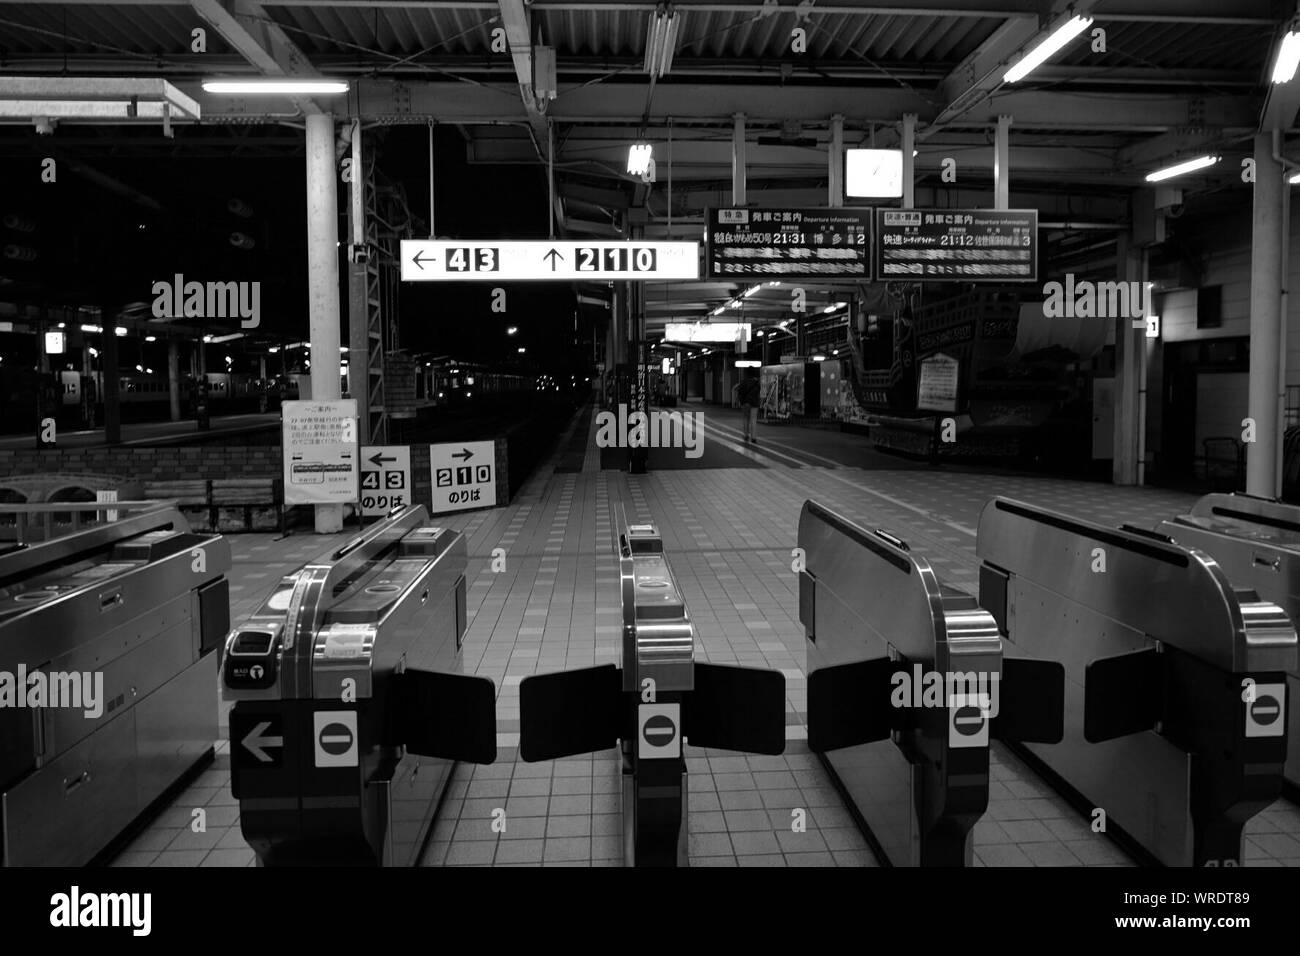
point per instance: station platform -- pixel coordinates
(137, 434)
(729, 520)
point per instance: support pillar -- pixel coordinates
(174, 379)
(738, 161)
(112, 383)
(323, 278)
(1002, 164)
(835, 163)
(909, 161)
(1265, 320)
(1130, 360)
(358, 290)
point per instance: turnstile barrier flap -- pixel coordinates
(735, 708)
(1122, 695)
(1031, 701)
(452, 716)
(569, 713)
(850, 704)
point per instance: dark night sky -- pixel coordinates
(98, 246)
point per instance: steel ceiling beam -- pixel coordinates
(245, 25)
(976, 77)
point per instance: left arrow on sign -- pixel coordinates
(255, 741)
(420, 262)
(378, 459)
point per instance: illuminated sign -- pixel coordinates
(873, 173)
(493, 260)
(53, 343)
(779, 244)
(706, 331)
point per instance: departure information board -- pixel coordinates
(958, 245)
(777, 244)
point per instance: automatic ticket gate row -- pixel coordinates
(349, 708)
(1174, 689)
(108, 658)
(659, 697)
(1256, 541)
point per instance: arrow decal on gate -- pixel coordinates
(255, 742)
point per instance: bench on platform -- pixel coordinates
(247, 504)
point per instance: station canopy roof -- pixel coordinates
(1148, 82)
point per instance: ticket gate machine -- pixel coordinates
(908, 680)
(1257, 542)
(112, 635)
(349, 709)
(658, 697)
(1175, 680)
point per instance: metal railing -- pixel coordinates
(41, 521)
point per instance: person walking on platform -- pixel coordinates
(749, 397)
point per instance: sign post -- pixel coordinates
(463, 476)
(320, 451)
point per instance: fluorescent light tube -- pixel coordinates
(1288, 58)
(1179, 169)
(638, 158)
(281, 87)
(1050, 47)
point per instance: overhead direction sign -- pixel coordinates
(788, 243)
(957, 245)
(493, 260)
(385, 478)
(463, 476)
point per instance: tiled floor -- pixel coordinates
(729, 535)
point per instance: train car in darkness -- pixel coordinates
(449, 383)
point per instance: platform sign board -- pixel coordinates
(385, 479)
(463, 476)
(320, 451)
(957, 245)
(779, 244)
(936, 387)
(499, 260)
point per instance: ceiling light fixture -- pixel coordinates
(267, 86)
(1182, 168)
(639, 157)
(660, 41)
(1288, 57)
(1036, 57)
